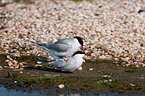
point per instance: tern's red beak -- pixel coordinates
(82, 48)
(65, 60)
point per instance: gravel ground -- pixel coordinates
(112, 29)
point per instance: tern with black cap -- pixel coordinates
(74, 62)
(64, 47)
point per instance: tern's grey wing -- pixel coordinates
(42, 44)
(55, 57)
(62, 47)
(67, 40)
(57, 63)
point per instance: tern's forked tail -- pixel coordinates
(43, 61)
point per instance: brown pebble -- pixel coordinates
(11, 67)
(21, 72)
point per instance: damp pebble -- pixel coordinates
(15, 61)
(38, 65)
(1, 68)
(132, 84)
(21, 64)
(17, 66)
(106, 76)
(39, 62)
(110, 80)
(11, 67)
(15, 81)
(5, 66)
(7, 60)
(61, 86)
(21, 72)
(137, 65)
(105, 80)
(91, 69)
(21, 68)
(80, 68)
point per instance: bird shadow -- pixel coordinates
(50, 69)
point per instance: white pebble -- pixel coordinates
(91, 69)
(7, 60)
(15, 81)
(39, 62)
(61, 86)
(80, 68)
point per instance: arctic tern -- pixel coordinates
(64, 47)
(74, 62)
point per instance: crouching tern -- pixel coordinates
(64, 47)
(74, 62)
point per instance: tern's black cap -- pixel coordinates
(80, 40)
(78, 52)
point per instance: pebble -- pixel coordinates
(21, 64)
(5, 66)
(17, 66)
(7, 60)
(11, 67)
(91, 69)
(111, 31)
(38, 65)
(61, 86)
(1, 68)
(106, 76)
(14, 61)
(21, 68)
(132, 84)
(10, 63)
(39, 62)
(21, 72)
(15, 81)
(80, 68)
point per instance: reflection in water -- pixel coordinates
(13, 92)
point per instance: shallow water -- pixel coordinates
(14, 92)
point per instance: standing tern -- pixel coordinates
(72, 64)
(64, 47)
